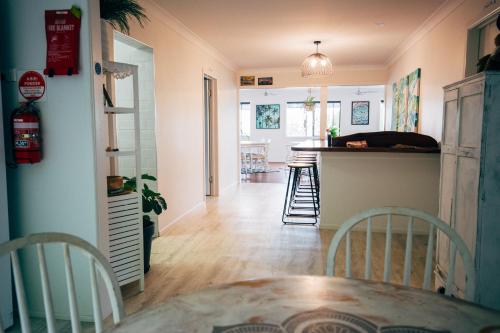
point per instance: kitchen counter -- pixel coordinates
(322, 146)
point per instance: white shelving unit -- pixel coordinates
(126, 248)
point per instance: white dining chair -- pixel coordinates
(456, 244)
(97, 263)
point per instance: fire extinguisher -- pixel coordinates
(26, 136)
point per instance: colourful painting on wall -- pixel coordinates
(406, 102)
(247, 80)
(267, 116)
(265, 81)
(360, 113)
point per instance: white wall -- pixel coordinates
(5, 275)
(440, 53)
(58, 194)
(181, 59)
(278, 137)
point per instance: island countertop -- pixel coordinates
(322, 146)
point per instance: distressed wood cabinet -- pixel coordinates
(470, 182)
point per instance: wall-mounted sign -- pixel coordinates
(247, 80)
(62, 30)
(31, 86)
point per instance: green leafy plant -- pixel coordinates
(118, 12)
(151, 200)
(309, 103)
(334, 132)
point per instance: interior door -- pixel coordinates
(5, 276)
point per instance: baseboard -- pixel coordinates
(180, 217)
(229, 187)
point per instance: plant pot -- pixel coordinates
(147, 233)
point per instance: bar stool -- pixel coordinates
(311, 160)
(292, 194)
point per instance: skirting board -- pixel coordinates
(180, 217)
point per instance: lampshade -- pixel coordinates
(317, 64)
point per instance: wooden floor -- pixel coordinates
(240, 236)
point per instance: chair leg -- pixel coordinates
(286, 196)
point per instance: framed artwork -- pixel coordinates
(265, 81)
(267, 116)
(247, 80)
(360, 113)
(406, 102)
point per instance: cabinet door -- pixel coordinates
(448, 173)
(467, 171)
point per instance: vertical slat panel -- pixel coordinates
(21, 296)
(95, 296)
(388, 249)
(70, 282)
(428, 259)
(47, 297)
(348, 271)
(450, 279)
(368, 251)
(409, 245)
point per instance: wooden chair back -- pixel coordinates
(97, 263)
(456, 244)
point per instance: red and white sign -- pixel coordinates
(31, 85)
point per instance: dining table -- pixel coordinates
(312, 304)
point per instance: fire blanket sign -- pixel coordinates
(62, 30)
(31, 86)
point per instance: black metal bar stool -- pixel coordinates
(291, 206)
(311, 160)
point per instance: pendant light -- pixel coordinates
(317, 64)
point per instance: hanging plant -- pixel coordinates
(118, 12)
(309, 103)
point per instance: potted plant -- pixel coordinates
(152, 202)
(118, 12)
(309, 103)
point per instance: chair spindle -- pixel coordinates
(388, 249)
(70, 282)
(368, 250)
(47, 296)
(428, 259)
(95, 296)
(20, 294)
(409, 245)
(348, 271)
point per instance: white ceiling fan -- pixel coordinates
(360, 92)
(268, 93)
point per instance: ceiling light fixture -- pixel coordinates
(317, 64)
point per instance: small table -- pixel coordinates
(313, 304)
(256, 148)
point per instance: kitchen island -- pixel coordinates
(355, 179)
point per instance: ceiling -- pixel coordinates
(279, 33)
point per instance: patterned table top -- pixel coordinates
(313, 304)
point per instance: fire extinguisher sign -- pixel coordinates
(32, 86)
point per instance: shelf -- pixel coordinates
(120, 153)
(118, 110)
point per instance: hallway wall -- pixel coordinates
(181, 59)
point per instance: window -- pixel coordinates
(245, 116)
(333, 114)
(302, 123)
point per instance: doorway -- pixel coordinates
(210, 136)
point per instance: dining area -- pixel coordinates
(369, 283)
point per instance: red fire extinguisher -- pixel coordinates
(26, 134)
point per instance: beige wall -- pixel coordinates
(342, 76)
(441, 55)
(180, 61)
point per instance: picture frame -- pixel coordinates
(247, 80)
(360, 113)
(267, 116)
(265, 81)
